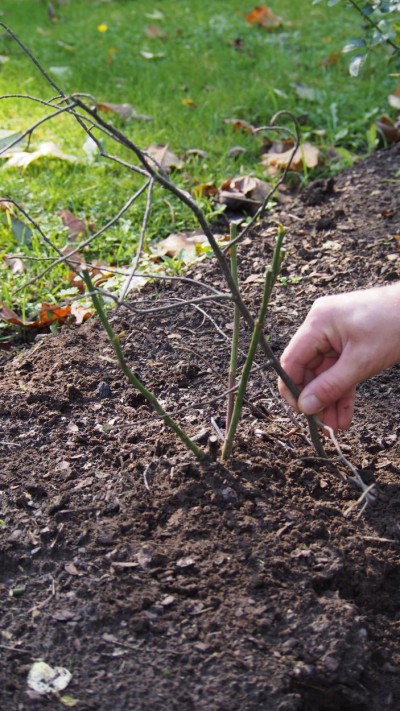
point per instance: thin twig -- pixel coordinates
(141, 240)
(369, 492)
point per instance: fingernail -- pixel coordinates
(310, 405)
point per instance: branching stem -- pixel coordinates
(133, 379)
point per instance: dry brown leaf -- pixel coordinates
(388, 128)
(332, 59)
(240, 125)
(204, 190)
(7, 206)
(264, 17)
(47, 149)
(76, 226)
(165, 158)
(48, 315)
(306, 156)
(182, 244)
(126, 111)
(245, 192)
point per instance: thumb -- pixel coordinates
(330, 386)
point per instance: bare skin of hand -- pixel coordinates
(345, 339)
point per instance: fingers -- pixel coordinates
(339, 415)
(331, 386)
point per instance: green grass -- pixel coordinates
(200, 62)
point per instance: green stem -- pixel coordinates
(99, 306)
(374, 24)
(235, 337)
(269, 281)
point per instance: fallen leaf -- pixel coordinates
(152, 55)
(245, 192)
(304, 92)
(127, 111)
(332, 59)
(45, 679)
(76, 226)
(204, 190)
(394, 98)
(306, 156)
(388, 128)
(196, 152)
(68, 701)
(155, 32)
(47, 149)
(48, 315)
(81, 311)
(240, 125)
(61, 72)
(186, 562)
(15, 264)
(180, 244)
(264, 17)
(236, 151)
(165, 158)
(72, 569)
(189, 103)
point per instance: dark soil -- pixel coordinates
(162, 583)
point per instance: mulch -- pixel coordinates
(165, 583)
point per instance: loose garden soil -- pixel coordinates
(163, 583)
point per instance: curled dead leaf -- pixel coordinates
(15, 264)
(76, 226)
(47, 149)
(388, 129)
(7, 206)
(126, 111)
(264, 17)
(182, 244)
(49, 313)
(204, 190)
(244, 193)
(81, 311)
(166, 159)
(240, 125)
(306, 156)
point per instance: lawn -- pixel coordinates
(188, 67)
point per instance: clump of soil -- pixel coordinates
(163, 583)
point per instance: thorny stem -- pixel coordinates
(186, 199)
(269, 281)
(150, 397)
(235, 337)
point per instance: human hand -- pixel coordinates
(345, 339)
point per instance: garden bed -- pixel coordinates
(163, 583)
